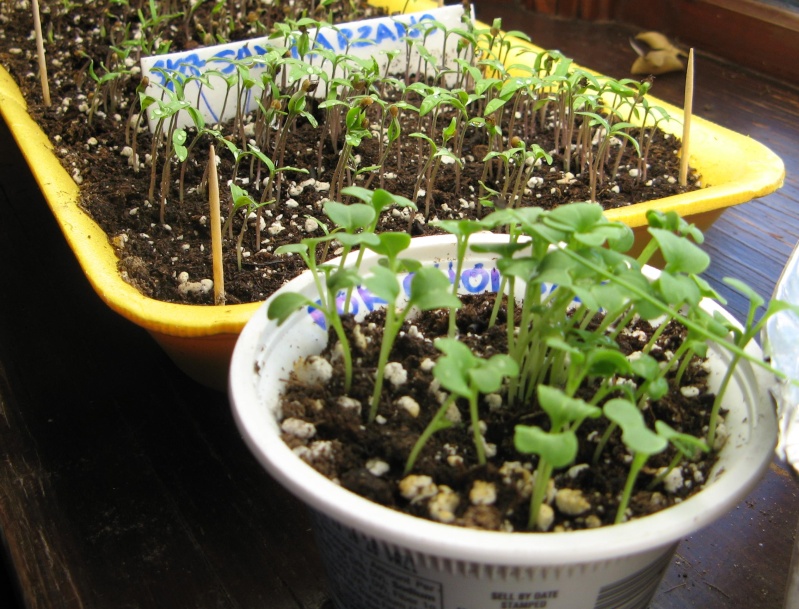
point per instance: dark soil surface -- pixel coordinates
(369, 458)
(163, 260)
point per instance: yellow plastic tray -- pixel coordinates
(200, 339)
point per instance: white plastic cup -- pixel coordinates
(378, 558)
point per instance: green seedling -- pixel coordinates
(379, 200)
(641, 441)
(243, 201)
(328, 282)
(151, 40)
(353, 224)
(296, 107)
(429, 290)
(438, 156)
(108, 88)
(633, 94)
(686, 447)
(165, 112)
(461, 230)
(467, 376)
(391, 141)
(556, 447)
(268, 188)
(598, 159)
(357, 125)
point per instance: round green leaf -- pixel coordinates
(558, 449)
(349, 217)
(284, 305)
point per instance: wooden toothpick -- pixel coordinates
(37, 26)
(216, 229)
(686, 125)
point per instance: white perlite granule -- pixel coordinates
(409, 405)
(483, 493)
(571, 501)
(298, 428)
(377, 467)
(442, 507)
(395, 374)
(313, 370)
(416, 488)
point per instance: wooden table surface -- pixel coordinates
(125, 484)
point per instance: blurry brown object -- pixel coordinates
(656, 54)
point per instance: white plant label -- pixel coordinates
(475, 279)
(217, 97)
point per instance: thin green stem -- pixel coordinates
(392, 327)
(542, 475)
(639, 459)
(478, 437)
(437, 423)
(345, 348)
